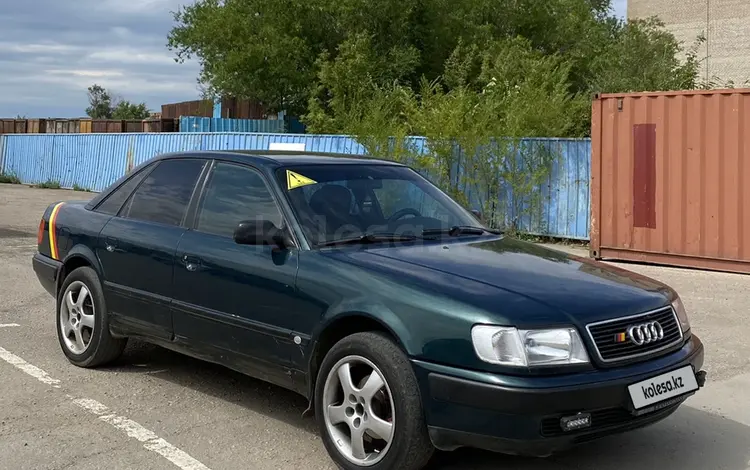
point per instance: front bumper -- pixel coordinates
(47, 270)
(467, 409)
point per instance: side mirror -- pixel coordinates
(477, 214)
(261, 232)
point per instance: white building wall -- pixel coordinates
(725, 24)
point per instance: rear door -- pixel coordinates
(233, 301)
(137, 248)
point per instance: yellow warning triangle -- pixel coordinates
(295, 180)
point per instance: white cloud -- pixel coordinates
(130, 56)
(86, 73)
(137, 6)
(52, 51)
(44, 48)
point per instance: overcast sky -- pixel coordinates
(51, 51)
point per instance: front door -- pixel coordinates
(137, 248)
(230, 299)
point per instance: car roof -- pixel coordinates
(277, 158)
(268, 159)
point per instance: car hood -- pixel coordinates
(582, 289)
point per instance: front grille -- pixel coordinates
(604, 419)
(604, 334)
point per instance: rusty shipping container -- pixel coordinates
(160, 125)
(132, 125)
(63, 126)
(233, 108)
(670, 178)
(204, 108)
(7, 126)
(36, 126)
(85, 127)
(107, 126)
(13, 126)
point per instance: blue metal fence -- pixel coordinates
(94, 161)
(206, 124)
(2, 153)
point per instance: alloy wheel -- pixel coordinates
(77, 317)
(358, 410)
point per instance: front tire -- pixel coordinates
(82, 321)
(368, 406)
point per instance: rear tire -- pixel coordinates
(82, 321)
(373, 362)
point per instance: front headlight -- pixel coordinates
(509, 346)
(679, 309)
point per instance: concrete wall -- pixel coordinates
(725, 23)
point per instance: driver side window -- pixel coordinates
(235, 193)
(396, 195)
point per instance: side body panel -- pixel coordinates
(137, 264)
(237, 303)
(68, 229)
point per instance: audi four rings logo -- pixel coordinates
(645, 333)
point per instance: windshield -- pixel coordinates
(340, 201)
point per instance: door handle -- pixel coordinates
(111, 244)
(191, 263)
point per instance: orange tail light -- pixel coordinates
(40, 232)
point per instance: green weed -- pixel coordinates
(9, 179)
(49, 184)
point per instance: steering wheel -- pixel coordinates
(400, 213)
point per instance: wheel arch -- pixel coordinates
(77, 257)
(341, 326)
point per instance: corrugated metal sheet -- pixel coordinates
(160, 125)
(188, 108)
(108, 126)
(560, 205)
(29, 156)
(94, 161)
(2, 154)
(12, 126)
(204, 124)
(36, 126)
(146, 146)
(63, 126)
(670, 178)
(234, 108)
(132, 125)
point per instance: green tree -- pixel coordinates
(478, 132)
(314, 57)
(100, 103)
(252, 48)
(128, 110)
(473, 77)
(103, 106)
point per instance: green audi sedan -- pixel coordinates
(407, 323)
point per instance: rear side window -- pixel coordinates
(114, 201)
(165, 193)
(235, 193)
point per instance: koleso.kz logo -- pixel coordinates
(667, 386)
